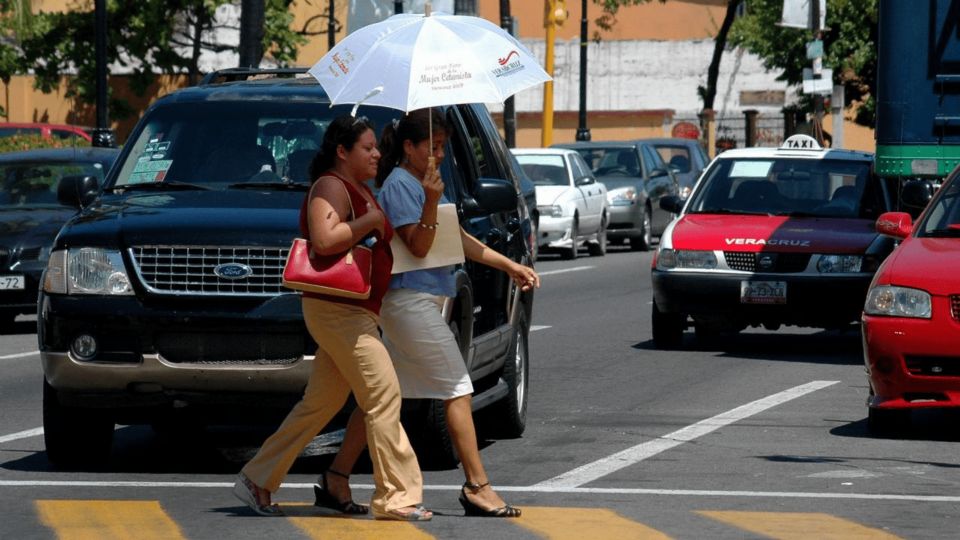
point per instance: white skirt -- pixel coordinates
(426, 356)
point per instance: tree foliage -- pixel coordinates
(849, 46)
(146, 38)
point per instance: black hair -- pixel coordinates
(343, 130)
(415, 127)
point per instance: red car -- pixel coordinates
(47, 131)
(911, 318)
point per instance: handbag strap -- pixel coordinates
(343, 184)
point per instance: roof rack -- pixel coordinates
(244, 73)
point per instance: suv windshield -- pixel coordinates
(792, 187)
(230, 145)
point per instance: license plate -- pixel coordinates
(763, 292)
(11, 283)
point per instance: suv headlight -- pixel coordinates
(86, 271)
(622, 196)
(832, 264)
(551, 211)
(669, 259)
(898, 302)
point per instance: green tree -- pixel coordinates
(146, 38)
(849, 43)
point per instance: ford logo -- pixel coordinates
(233, 271)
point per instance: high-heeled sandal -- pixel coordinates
(325, 499)
(254, 496)
(472, 509)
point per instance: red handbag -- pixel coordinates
(346, 275)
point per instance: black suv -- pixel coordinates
(163, 302)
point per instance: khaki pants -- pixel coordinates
(351, 357)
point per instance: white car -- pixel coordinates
(571, 204)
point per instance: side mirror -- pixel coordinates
(585, 181)
(671, 203)
(658, 172)
(490, 196)
(77, 191)
(896, 224)
(917, 193)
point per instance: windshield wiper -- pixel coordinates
(730, 211)
(801, 213)
(949, 232)
(270, 185)
(171, 185)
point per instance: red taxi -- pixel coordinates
(771, 236)
(911, 318)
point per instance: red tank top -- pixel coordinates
(382, 255)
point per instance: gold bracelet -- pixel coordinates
(425, 226)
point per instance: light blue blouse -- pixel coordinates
(401, 198)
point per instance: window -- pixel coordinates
(465, 7)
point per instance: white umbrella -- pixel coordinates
(415, 61)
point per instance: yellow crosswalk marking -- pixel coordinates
(107, 520)
(797, 525)
(580, 523)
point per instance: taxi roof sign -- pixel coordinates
(800, 142)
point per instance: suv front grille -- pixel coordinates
(765, 261)
(193, 270)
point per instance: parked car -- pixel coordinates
(573, 207)
(47, 131)
(685, 157)
(31, 217)
(162, 301)
(912, 311)
(636, 179)
(771, 236)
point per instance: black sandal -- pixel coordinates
(472, 509)
(326, 500)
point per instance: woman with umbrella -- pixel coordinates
(425, 353)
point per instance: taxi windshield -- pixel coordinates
(230, 145)
(790, 187)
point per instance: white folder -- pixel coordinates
(447, 246)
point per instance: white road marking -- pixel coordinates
(598, 469)
(22, 435)
(565, 270)
(517, 489)
(19, 355)
(536, 327)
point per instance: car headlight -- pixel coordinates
(669, 259)
(622, 196)
(86, 271)
(554, 210)
(898, 302)
(832, 264)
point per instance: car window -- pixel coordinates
(484, 155)
(32, 184)
(580, 168)
(816, 187)
(651, 161)
(943, 214)
(544, 169)
(677, 157)
(219, 144)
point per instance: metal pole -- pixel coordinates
(550, 25)
(583, 132)
(103, 135)
(509, 109)
(817, 98)
(331, 26)
(397, 6)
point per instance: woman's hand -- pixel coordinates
(376, 219)
(432, 183)
(525, 277)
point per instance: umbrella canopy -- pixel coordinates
(415, 61)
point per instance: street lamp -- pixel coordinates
(102, 135)
(397, 6)
(331, 27)
(509, 110)
(583, 132)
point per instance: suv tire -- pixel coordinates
(74, 437)
(510, 414)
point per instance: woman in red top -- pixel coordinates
(339, 213)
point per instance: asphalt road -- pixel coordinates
(759, 435)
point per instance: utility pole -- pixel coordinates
(102, 135)
(251, 32)
(554, 14)
(583, 132)
(817, 73)
(331, 26)
(397, 7)
(509, 110)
